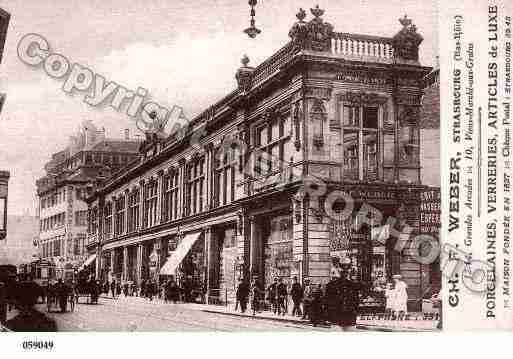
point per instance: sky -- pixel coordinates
(185, 53)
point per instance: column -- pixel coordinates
(157, 246)
(208, 259)
(124, 276)
(243, 239)
(208, 175)
(316, 249)
(139, 263)
(160, 193)
(112, 258)
(125, 225)
(142, 197)
(98, 262)
(181, 180)
(253, 248)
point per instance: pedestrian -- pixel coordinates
(118, 289)
(96, 292)
(349, 290)
(389, 299)
(142, 292)
(255, 296)
(307, 299)
(113, 288)
(62, 294)
(174, 291)
(125, 289)
(272, 295)
(242, 295)
(149, 290)
(281, 292)
(332, 298)
(400, 296)
(296, 293)
(316, 305)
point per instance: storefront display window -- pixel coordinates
(278, 249)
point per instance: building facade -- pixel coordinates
(259, 184)
(62, 210)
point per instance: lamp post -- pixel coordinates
(4, 179)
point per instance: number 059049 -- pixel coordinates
(37, 345)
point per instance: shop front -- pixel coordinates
(272, 248)
(367, 241)
(186, 264)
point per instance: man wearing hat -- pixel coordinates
(349, 290)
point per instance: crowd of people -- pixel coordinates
(169, 290)
(337, 302)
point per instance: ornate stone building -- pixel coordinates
(243, 190)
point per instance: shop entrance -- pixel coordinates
(274, 248)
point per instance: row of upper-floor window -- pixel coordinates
(363, 150)
(59, 196)
(53, 222)
(53, 247)
(99, 158)
(53, 198)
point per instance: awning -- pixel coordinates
(87, 262)
(179, 254)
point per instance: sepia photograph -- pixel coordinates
(220, 166)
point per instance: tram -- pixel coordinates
(40, 271)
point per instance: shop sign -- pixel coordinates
(153, 259)
(430, 211)
(373, 195)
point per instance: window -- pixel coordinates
(79, 193)
(133, 210)
(224, 177)
(57, 247)
(151, 203)
(76, 247)
(361, 147)
(120, 215)
(108, 219)
(170, 197)
(93, 221)
(81, 218)
(195, 186)
(270, 142)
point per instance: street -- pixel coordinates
(137, 314)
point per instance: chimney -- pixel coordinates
(127, 134)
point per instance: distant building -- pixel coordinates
(61, 209)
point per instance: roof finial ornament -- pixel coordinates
(405, 21)
(301, 14)
(317, 12)
(245, 60)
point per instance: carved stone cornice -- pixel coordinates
(360, 98)
(320, 92)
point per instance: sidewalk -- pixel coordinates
(362, 323)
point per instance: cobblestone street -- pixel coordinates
(137, 314)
